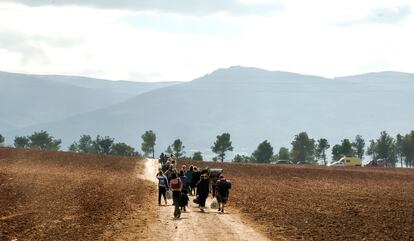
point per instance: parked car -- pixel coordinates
(303, 163)
(375, 163)
(283, 162)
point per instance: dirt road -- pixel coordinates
(195, 225)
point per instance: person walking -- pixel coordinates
(189, 175)
(161, 160)
(162, 187)
(184, 192)
(203, 189)
(171, 170)
(174, 159)
(194, 180)
(222, 192)
(214, 177)
(165, 166)
(176, 186)
(185, 182)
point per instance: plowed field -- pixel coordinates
(66, 196)
(320, 203)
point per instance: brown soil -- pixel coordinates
(319, 203)
(67, 196)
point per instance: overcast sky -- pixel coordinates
(179, 40)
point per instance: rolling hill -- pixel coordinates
(253, 105)
(33, 99)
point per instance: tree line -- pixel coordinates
(308, 150)
(104, 145)
(42, 140)
(303, 149)
(176, 148)
(393, 150)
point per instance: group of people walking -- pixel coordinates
(177, 185)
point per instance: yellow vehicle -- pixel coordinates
(347, 161)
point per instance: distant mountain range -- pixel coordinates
(27, 100)
(251, 104)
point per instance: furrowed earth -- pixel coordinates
(306, 202)
(69, 196)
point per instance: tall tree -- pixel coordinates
(408, 149)
(336, 152)
(321, 148)
(359, 146)
(241, 158)
(73, 147)
(1, 140)
(372, 149)
(122, 149)
(178, 148)
(197, 156)
(346, 148)
(169, 150)
(222, 145)
(263, 153)
(303, 148)
(85, 143)
(283, 154)
(399, 142)
(102, 145)
(43, 141)
(148, 144)
(21, 142)
(385, 149)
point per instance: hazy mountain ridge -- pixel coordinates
(128, 87)
(33, 99)
(252, 105)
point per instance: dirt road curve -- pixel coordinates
(195, 225)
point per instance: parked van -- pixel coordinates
(347, 161)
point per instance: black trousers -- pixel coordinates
(202, 199)
(213, 190)
(177, 199)
(161, 191)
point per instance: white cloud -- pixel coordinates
(389, 15)
(304, 37)
(187, 7)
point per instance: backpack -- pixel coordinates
(176, 185)
(223, 186)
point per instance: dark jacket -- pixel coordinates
(189, 175)
(195, 178)
(222, 187)
(203, 186)
(184, 179)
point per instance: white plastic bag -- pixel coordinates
(214, 204)
(169, 194)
